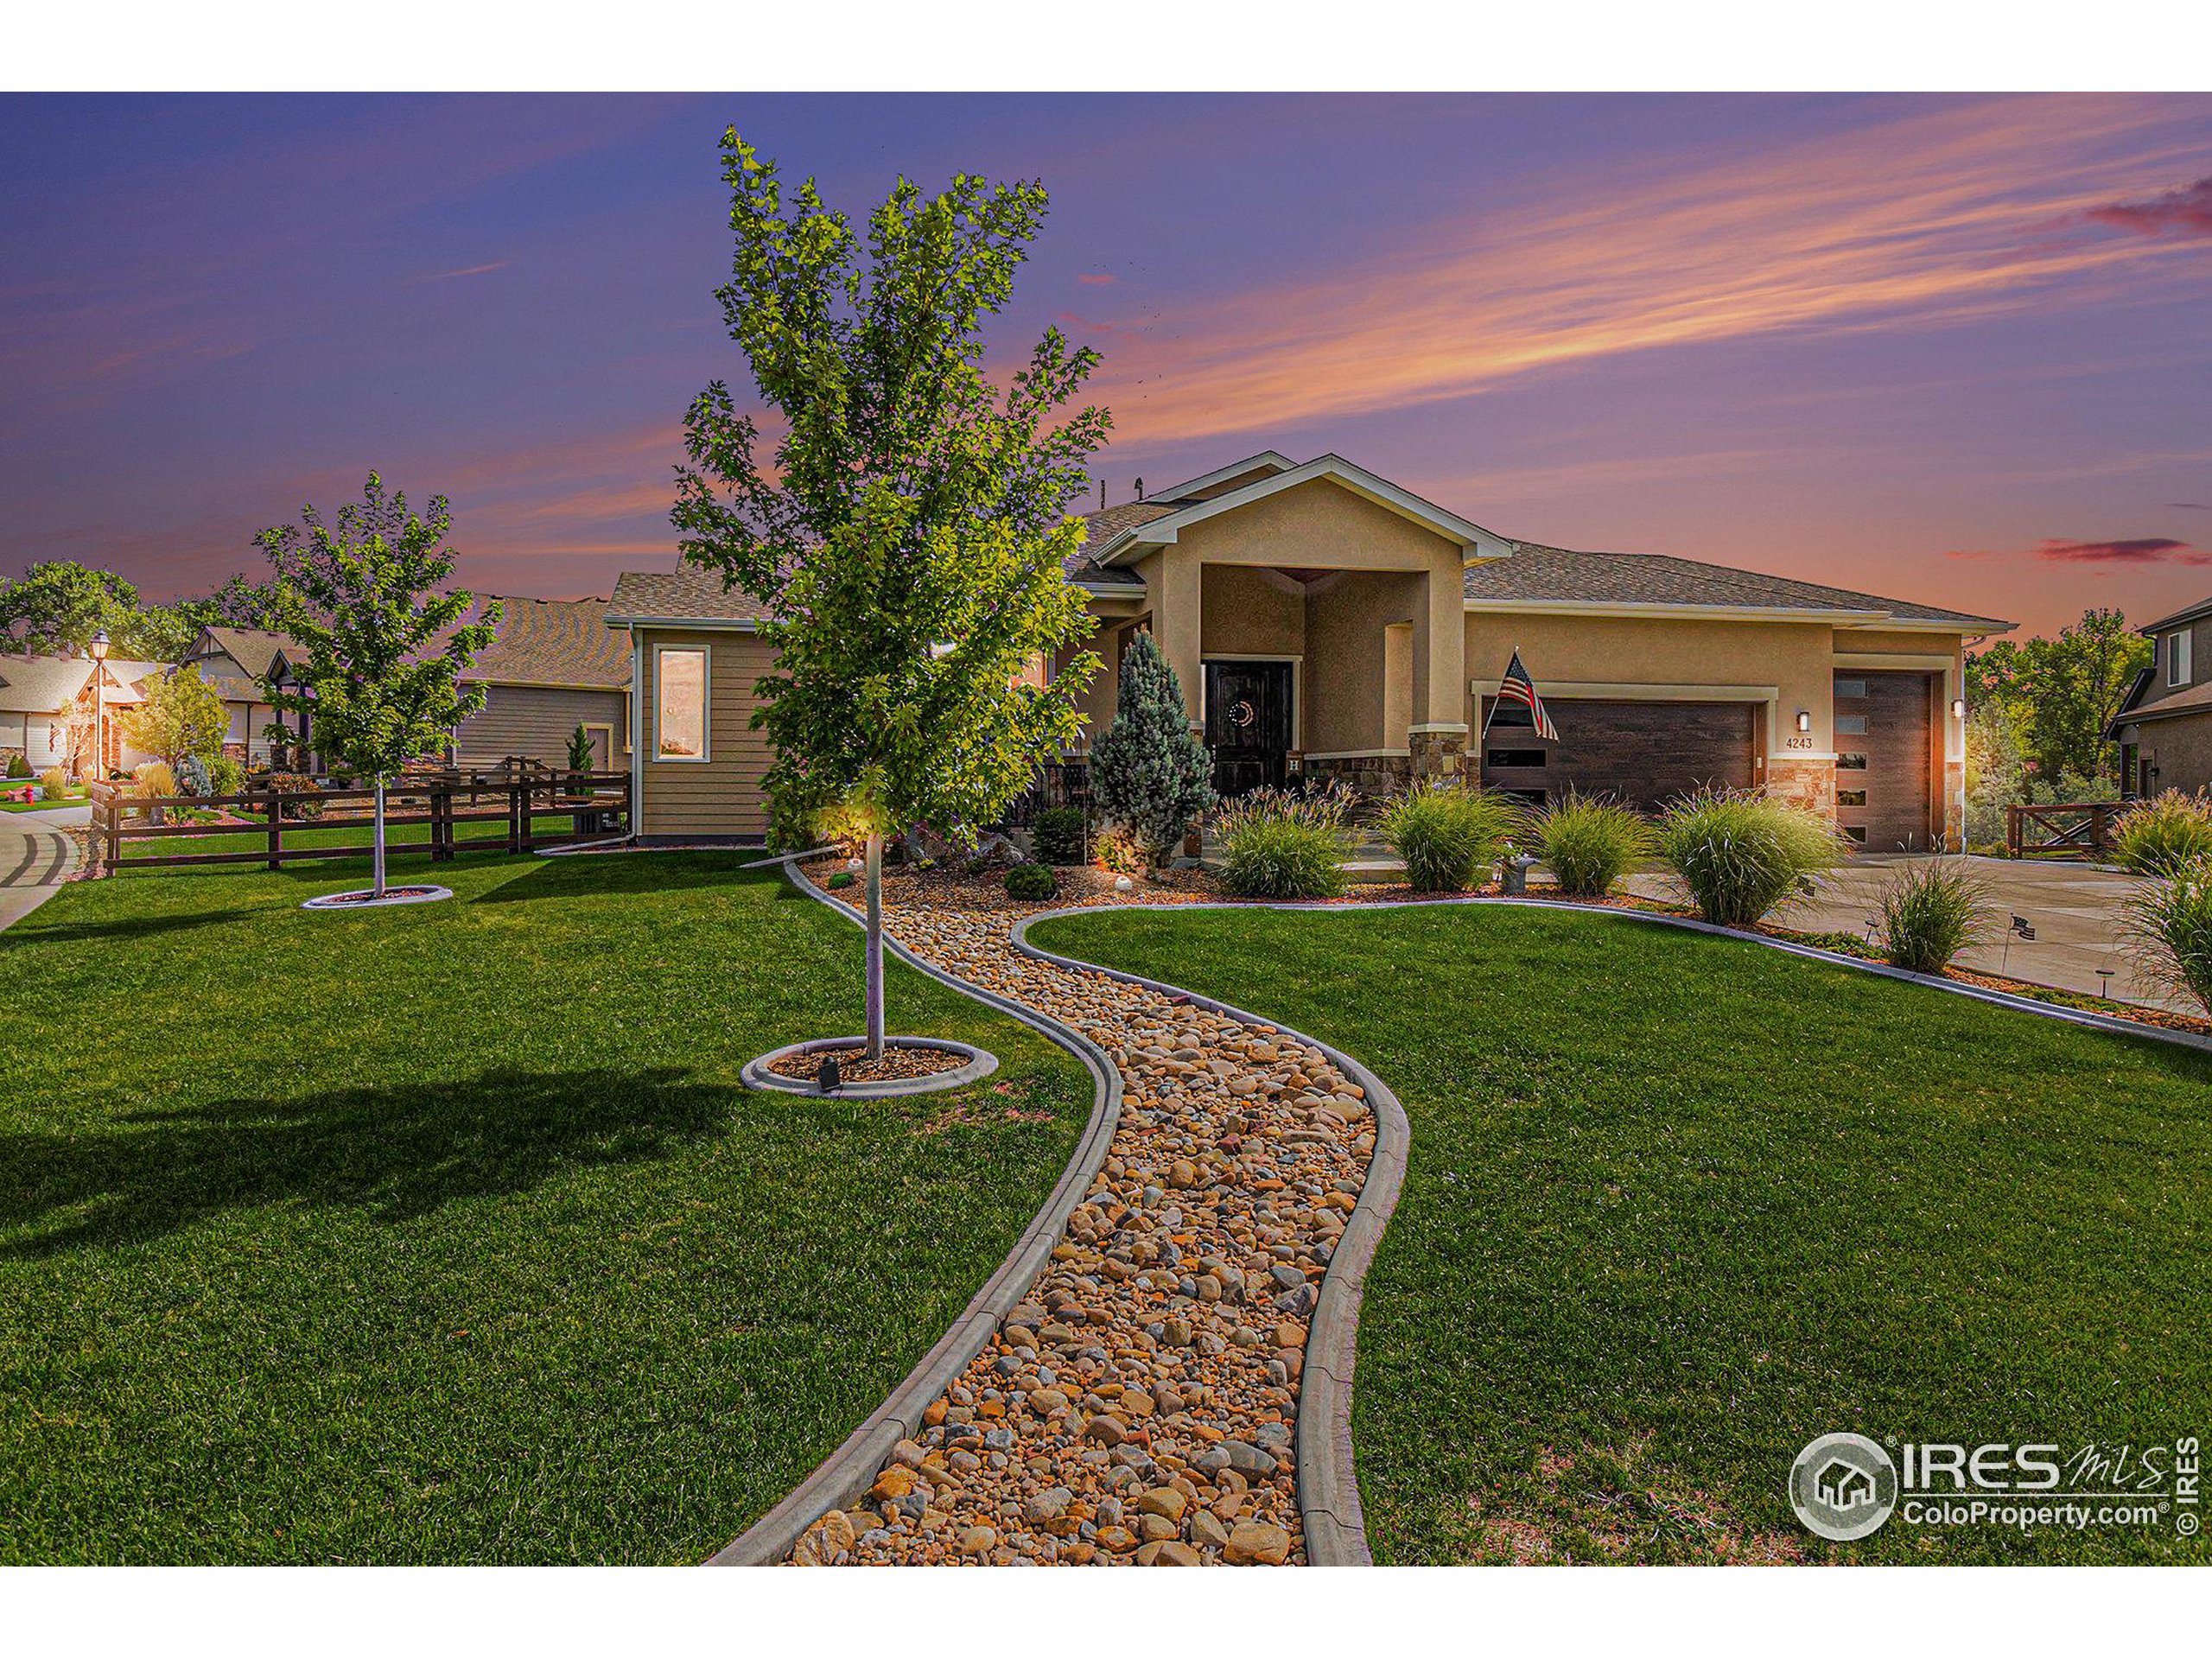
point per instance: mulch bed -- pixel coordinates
(854, 1066)
(389, 894)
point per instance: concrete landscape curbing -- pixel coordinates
(846, 1473)
(979, 1064)
(1326, 1467)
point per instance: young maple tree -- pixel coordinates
(182, 717)
(908, 536)
(382, 639)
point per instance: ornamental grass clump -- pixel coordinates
(2169, 929)
(1739, 853)
(1590, 845)
(1448, 833)
(2161, 836)
(1280, 845)
(1929, 913)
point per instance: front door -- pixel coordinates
(1248, 724)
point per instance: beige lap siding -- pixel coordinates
(537, 721)
(720, 795)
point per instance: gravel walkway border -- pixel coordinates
(845, 1476)
(1328, 1478)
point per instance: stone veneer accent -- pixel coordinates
(1365, 774)
(1809, 784)
(1439, 754)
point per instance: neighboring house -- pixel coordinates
(2164, 726)
(554, 664)
(240, 664)
(1327, 623)
(47, 710)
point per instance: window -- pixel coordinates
(1850, 688)
(1514, 758)
(680, 720)
(1855, 833)
(2178, 655)
(1851, 763)
(1850, 798)
(1851, 725)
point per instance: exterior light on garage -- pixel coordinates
(1958, 708)
(1804, 719)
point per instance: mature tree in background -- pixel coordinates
(59, 605)
(1148, 771)
(182, 717)
(1997, 774)
(239, 603)
(907, 537)
(382, 642)
(2061, 693)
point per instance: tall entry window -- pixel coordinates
(680, 720)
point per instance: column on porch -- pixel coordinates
(1173, 576)
(1437, 738)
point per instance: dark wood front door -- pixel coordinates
(1885, 739)
(1248, 724)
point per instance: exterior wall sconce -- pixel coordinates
(1958, 708)
(1804, 719)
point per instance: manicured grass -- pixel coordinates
(1677, 1204)
(41, 805)
(401, 841)
(448, 1234)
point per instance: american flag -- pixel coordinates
(1518, 689)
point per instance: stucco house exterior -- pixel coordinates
(2164, 726)
(1325, 622)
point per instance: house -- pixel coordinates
(1326, 623)
(240, 664)
(2165, 724)
(554, 664)
(47, 709)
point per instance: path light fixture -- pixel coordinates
(99, 648)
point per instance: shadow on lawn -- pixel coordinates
(584, 875)
(399, 1151)
(29, 932)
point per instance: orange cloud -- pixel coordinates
(1936, 217)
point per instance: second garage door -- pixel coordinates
(1643, 754)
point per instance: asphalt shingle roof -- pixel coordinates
(555, 642)
(683, 593)
(1538, 572)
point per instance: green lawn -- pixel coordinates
(41, 805)
(448, 1233)
(403, 842)
(1678, 1205)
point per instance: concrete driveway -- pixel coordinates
(35, 858)
(2074, 910)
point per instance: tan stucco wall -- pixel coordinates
(1347, 619)
(720, 795)
(1248, 613)
(1794, 657)
(2182, 746)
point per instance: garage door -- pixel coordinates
(1884, 737)
(1641, 754)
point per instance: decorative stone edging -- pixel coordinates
(981, 1063)
(360, 899)
(1328, 1478)
(846, 1473)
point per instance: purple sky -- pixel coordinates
(1951, 349)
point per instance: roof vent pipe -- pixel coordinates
(1140, 489)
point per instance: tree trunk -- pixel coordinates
(875, 945)
(379, 836)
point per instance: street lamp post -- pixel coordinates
(99, 697)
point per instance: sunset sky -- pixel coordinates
(1953, 349)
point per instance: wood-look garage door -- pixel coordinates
(1641, 754)
(1885, 742)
